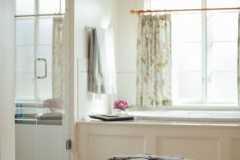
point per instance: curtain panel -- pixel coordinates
(238, 63)
(154, 84)
(57, 60)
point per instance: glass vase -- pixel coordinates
(120, 112)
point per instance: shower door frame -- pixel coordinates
(65, 119)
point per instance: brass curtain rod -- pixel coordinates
(181, 10)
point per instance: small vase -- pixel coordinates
(120, 112)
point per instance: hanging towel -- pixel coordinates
(102, 73)
(20, 113)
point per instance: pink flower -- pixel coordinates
(52, 104)
(121, 104)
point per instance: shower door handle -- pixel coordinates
(35, 63)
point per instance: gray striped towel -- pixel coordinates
(20, 113)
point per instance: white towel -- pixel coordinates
(102, 73)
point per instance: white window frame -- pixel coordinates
(205, 105)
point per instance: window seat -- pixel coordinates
(198, 116)
(101, 140)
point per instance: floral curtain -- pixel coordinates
(154, 87)
(57, 60)
(238, 59)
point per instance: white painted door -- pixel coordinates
(7, 147)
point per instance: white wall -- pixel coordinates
(100, 13)
(127, 49)
(92, 13)
(109, 14)
(7, 106)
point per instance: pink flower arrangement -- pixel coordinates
(121, 104)
(52, 104)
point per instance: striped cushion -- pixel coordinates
(146, 157)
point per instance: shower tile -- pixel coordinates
(26, 147)
(48, 155)
(25, 139)
(25, 155)
(53, 139)
(49, 148)
(125, 82)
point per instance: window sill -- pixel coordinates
(188, 115)
(191, 107)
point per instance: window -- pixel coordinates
(33, 39)
(204, 52)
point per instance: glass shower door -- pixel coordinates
(41, 75)
(51, 74)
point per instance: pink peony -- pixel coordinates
(121, 104)
(52, 104)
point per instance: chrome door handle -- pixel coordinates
(35, 64)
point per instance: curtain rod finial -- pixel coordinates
(132, 11)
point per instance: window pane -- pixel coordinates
(189, 56)
(49, 6)
(187, 27)
(45, 87)
(63, 4)
(162, 4)
(175, 4)
(224, 26)
(185, 4)
(45, 31)
(46, 52)
(189, 85)
(224, 56)
(25, 7)
(222, 3)
(25, 31)
(224, 86)
(24, 85)
(24, 58)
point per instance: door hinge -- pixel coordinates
(68, 144)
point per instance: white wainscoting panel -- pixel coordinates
(104, 146)
(101, 140)
(236, 149)
(201, 148)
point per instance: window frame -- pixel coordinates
(206, 68)
(205, 104)
(36, 17)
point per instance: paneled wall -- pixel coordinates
(101, 140)
(40, 142)
(7, 108)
